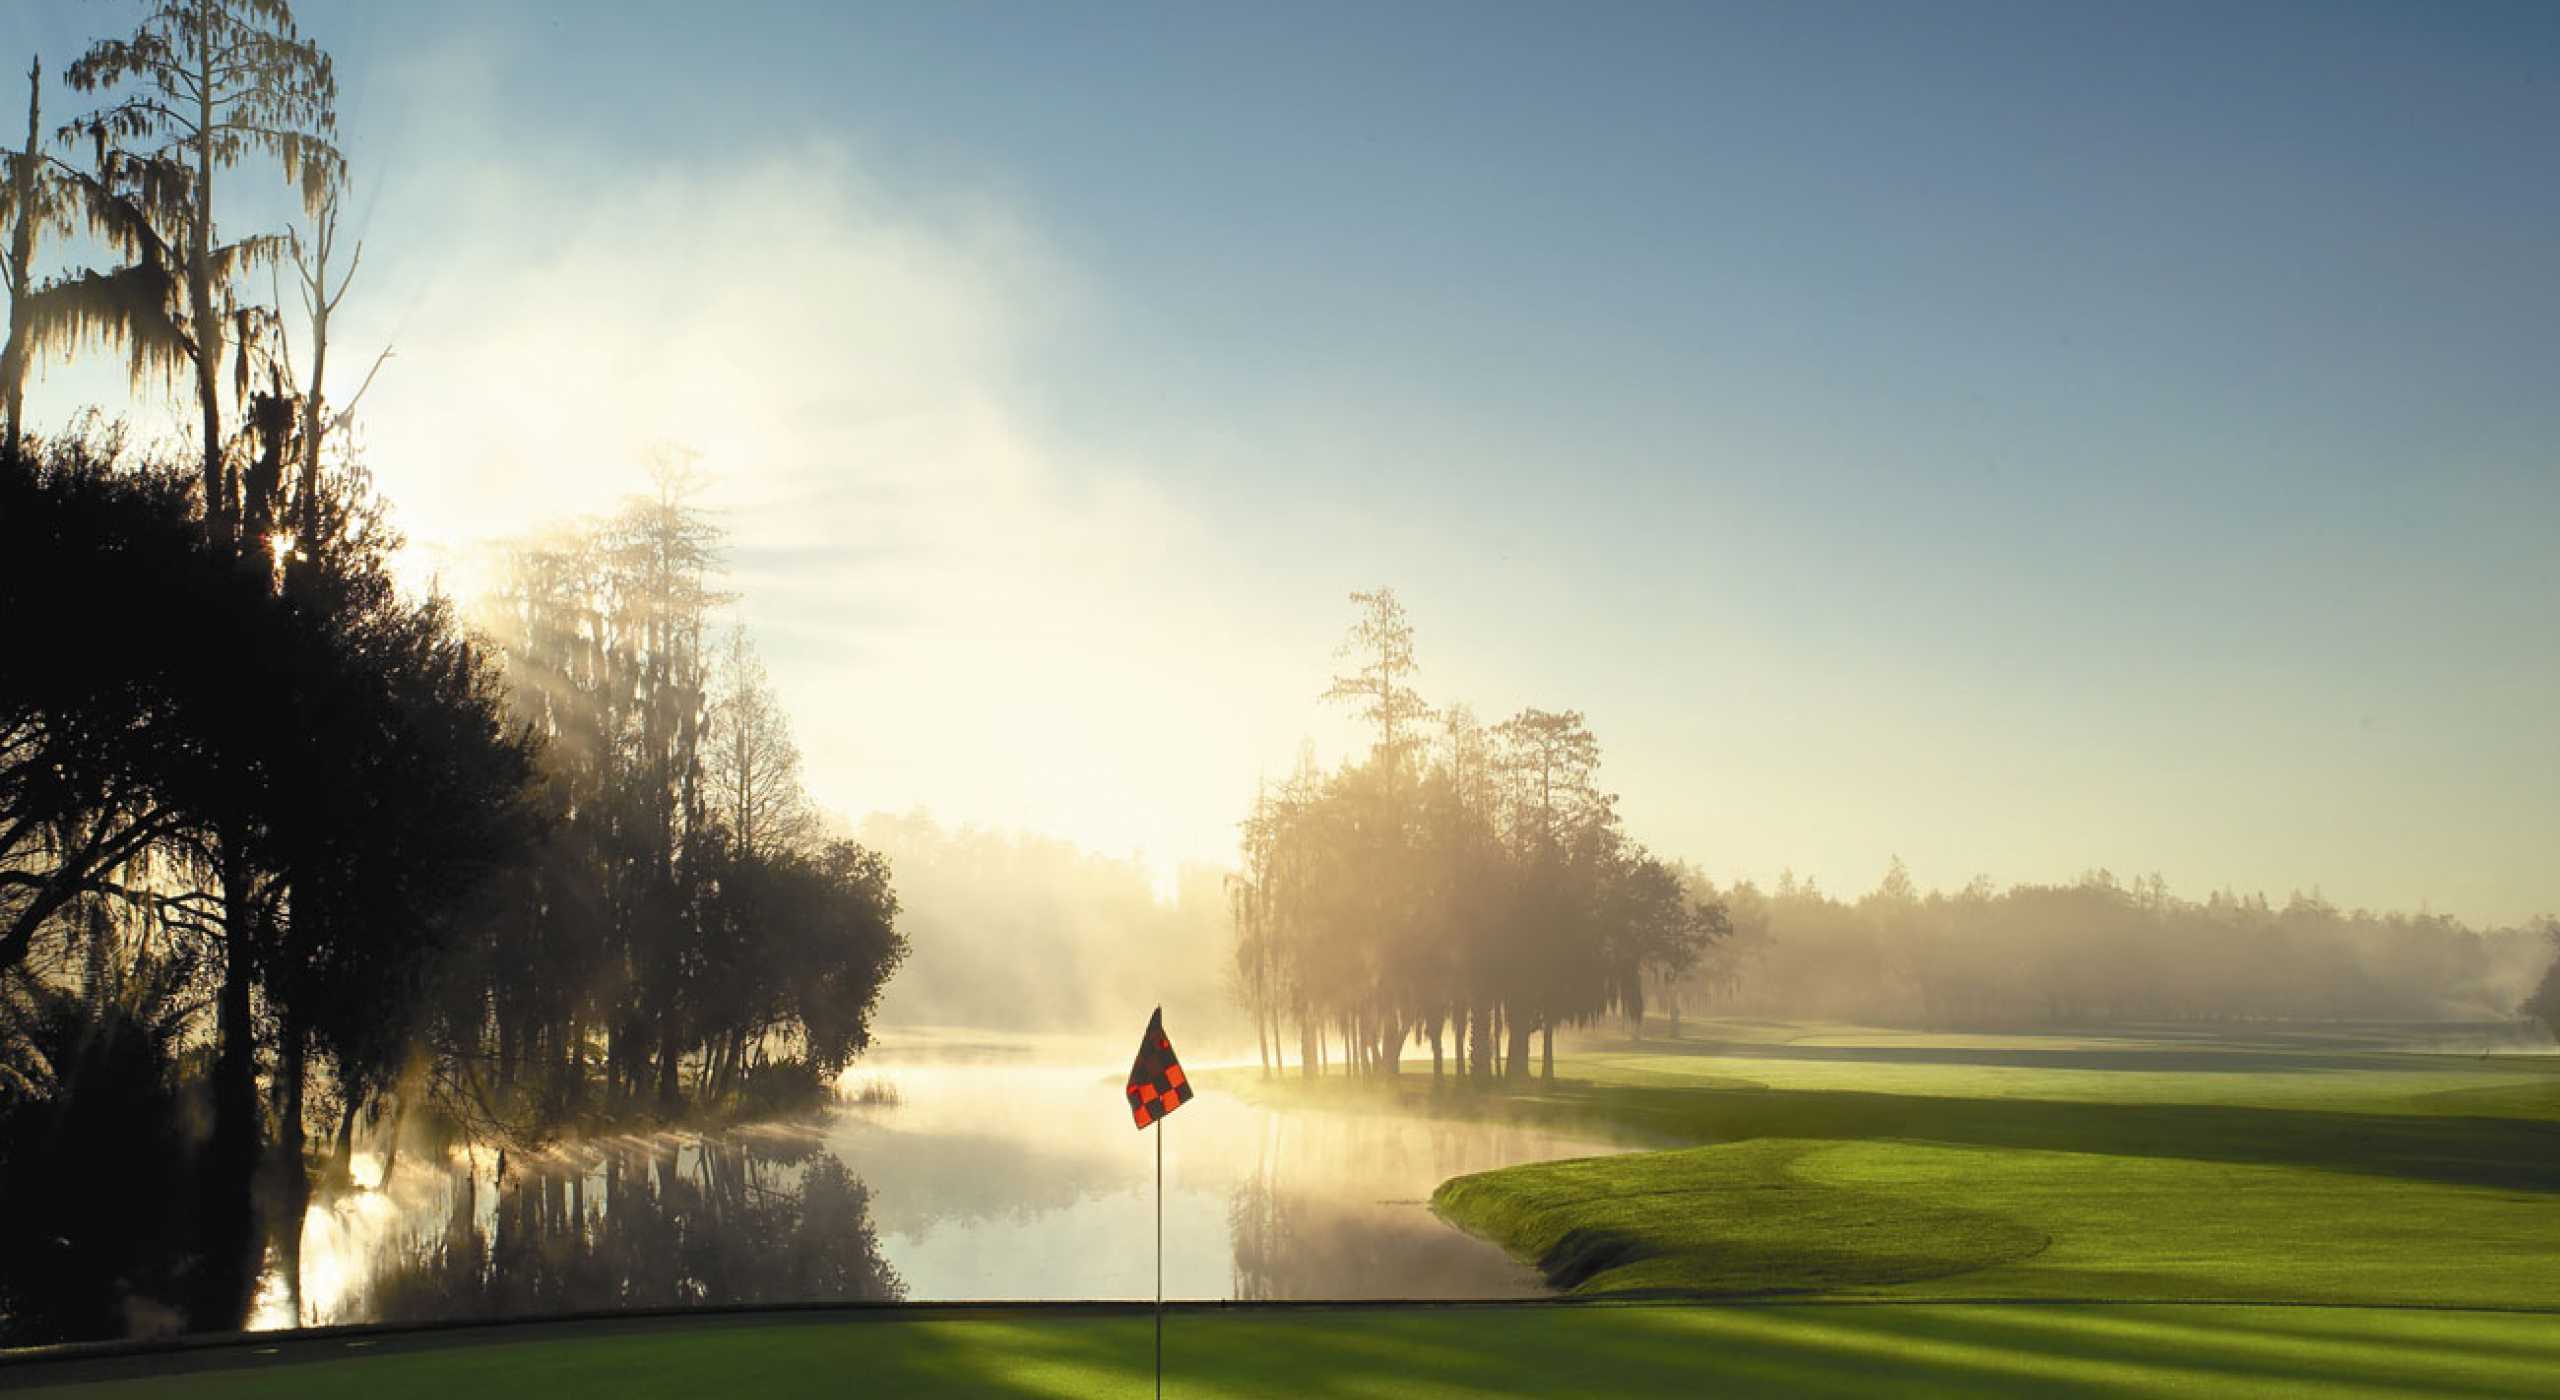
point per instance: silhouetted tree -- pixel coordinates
(34, 205)
(311, 842)
(213, 82)
(104, 750)
(96, 1224)
(321, 291)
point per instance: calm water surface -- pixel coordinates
(994, 1175)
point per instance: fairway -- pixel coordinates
(2259, 1168)
(1631, 1350)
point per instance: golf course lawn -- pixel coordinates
(1799, 1211)
(1954, 1349)
(2020, 1167)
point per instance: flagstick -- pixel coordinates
(1159, 1259)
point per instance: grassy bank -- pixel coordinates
(2283, 1167)
(1789, 1350)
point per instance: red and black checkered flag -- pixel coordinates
(1157, 1085)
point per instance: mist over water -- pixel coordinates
(983, 1167)
(1996, 592)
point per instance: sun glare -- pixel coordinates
(1710, 653)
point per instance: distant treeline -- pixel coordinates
(2099, 950)
(1463, 887)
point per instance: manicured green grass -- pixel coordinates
(2115, 1168)
(1793, 1350)
(1922, 1186)
(1906, 1219)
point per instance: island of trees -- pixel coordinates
(1465, 887)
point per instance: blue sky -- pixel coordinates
(2021, 437)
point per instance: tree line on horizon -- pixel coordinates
(285, 852)
(1465, 887)
(2098, 950)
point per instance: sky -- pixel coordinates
(2018, 438)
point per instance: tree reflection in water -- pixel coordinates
(654, 1224)
(1328, 1238)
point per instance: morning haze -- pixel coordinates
(2127, 486)
(1802, 654)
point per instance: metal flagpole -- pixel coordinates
(1159, 1259)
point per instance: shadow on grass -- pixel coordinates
(1791, 1350)
(1783, 1350)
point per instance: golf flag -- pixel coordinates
(1157, 1085)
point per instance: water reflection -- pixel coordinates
(1013, 1181)
(747, 1218)
(1003, 1179)
(1352, 1236)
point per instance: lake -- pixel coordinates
(996, 1170)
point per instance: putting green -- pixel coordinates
(2290, 1166)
